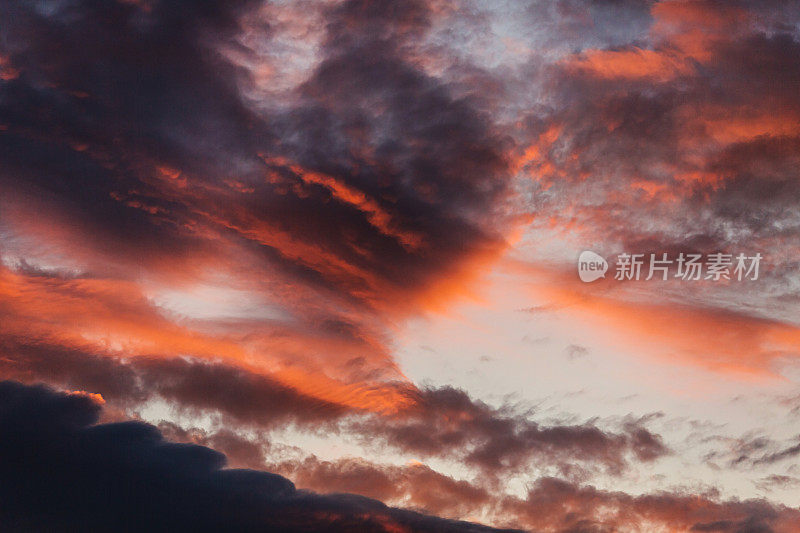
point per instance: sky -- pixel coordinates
(314, 265)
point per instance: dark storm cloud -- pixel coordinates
(60, 472)
(108, 90)
(132, 120)
(241, 452)
(369, 118)
(134, 141)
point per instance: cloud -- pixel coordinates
(679, 138)
(550, 505)
(721, 338)
(347, 165)
(559, 506)
(444, 423)
(406, 169)
(447, 422)
(136, 157)
(245, 397)
(758, 450)
(107, 316)
(414, 485)
(774, 481)
(60, 472)
(787, 453)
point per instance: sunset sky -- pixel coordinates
(312, 265)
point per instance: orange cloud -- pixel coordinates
(712, 338)
(115, 317)
(695, 26)
(631, 64)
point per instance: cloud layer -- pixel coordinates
(234, 208)
(125, 477)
